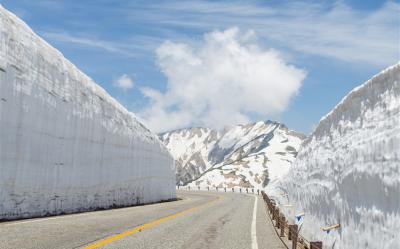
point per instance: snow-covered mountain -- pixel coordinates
(348, 170)
(245, 155)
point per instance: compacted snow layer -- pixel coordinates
(65, 144)
(348, 170)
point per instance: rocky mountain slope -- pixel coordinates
(348, 171)
(246, 155)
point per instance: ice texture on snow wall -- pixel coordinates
(65, 144)
(348, 170)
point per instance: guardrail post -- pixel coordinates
(282, 226)
(291, 229)
(272, 210)
(316, 245)
(294, 235)
(277, 218)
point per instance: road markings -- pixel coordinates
(147, 225)
(41, 219)
(254, 244)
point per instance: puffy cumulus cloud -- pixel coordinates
(220, 82)
(124, 82)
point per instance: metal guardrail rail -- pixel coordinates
(223, 189)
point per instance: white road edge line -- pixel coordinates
(41, 219)
(254, 244)
(56, 217)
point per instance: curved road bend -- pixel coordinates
(200, 220)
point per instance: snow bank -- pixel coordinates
(65, 144)
(348, 170)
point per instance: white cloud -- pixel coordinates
(330, 29)
(124, 82)
(92, 42)
(221, 82)
(131, 48)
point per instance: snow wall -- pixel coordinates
(348, 170)
(65, 144)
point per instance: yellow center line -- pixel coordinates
(147, 225)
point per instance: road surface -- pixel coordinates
(200, 220)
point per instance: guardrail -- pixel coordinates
(283, 229)
(281, 224)
(224, 189)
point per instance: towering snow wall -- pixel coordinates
(65, 144)
(348, 170)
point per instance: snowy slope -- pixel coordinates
(348, 170)
(245, 155)
(190, 149)
(65, 144)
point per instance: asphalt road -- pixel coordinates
(200, 220)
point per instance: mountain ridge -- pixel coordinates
(202, 152)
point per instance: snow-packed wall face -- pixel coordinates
(65, 144)
(348, 170)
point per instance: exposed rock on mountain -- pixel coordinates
(246, 155)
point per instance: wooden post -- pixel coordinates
(189, 187)
(216, 188)
(247, 190)
(252, 190)
(225, 189)
(199, 187)
(294, 235)
(316, 245)
(240, 190)
(233, 190)
(273, 212)
(283, 226)
(277, 217)
(208, 188)
(258, 192)
(290, 232)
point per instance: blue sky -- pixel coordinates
(134, 50)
